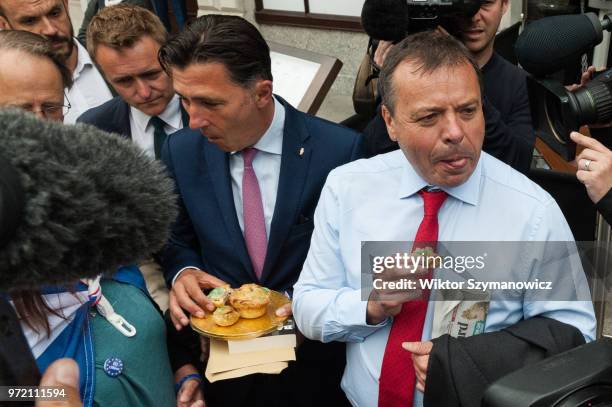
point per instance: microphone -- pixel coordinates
(385, 19)
(550, 43)
(91, 202)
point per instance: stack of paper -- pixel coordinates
(222, 365)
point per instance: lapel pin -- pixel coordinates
(301, 151)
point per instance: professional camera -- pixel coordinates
(558, 111)
(544, 47)
(392, 20)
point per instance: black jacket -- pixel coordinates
(461, 369)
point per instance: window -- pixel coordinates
(335, 15)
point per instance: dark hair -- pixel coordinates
(430, 50)
(229, 40)
(36, 46)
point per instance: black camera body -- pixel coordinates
(544, 49)
(392, 20)
(435, 10)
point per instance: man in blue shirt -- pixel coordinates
(435, 114)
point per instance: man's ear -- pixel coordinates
(505, 6)
(263, 92)
(388, 118)
(4, 24)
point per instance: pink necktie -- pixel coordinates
(254, 220)
(397, 377)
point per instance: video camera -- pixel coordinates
(392, 20)
(544, 47)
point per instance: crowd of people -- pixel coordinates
(274, 196)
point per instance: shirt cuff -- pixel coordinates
(180, 271)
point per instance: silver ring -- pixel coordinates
(586, 165)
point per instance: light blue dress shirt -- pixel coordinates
(376, 200)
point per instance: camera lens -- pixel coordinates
(593, 102)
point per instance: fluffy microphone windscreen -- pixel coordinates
(385, 19)
(93, 202)
(549, 44)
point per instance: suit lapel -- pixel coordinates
(293, 171)
(218, 168)
(184, 117)
(123, 119)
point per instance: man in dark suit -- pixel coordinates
(124, 41)
(248, 175)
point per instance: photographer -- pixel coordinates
(509, 134)
(595, 172)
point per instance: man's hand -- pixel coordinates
(190, 394)
(63, 373)
(420, 359)
(387, 302)
(382, 51)
(186, 294)
(594, 166)
(284, 311)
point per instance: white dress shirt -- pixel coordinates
(88, 89)
(143, 132)
(377, 200)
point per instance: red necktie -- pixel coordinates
(397, 377)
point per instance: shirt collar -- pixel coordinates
(171, 115)
(272, 140)
(83, 59)
(411, 182)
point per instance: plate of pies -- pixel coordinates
(241, 313)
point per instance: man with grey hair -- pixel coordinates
(32, 77)
(50, 19)
(439, 186)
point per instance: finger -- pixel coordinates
(186, 303)
(587, 142)
(419, 374)
(176, 313)
(588, 154)
(420, 386)
(587, 75)
(584, 176)
(284, 311)
(196, 295)
(187, 390)
(588, 165)
(420, 362)
(392, 311)
(209, 281)
(418, 348)
(63, 373)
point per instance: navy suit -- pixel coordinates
(114, 117)
(207, 235)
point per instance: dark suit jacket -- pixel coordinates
(207, 234)
(461, 369)
(114, 117)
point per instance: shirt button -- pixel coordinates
(113, 366)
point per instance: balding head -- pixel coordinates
(31, 77)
